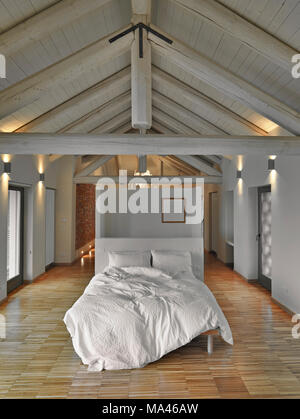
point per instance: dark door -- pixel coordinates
(265, 237)
(15, 238)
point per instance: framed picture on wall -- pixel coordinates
(173, 210)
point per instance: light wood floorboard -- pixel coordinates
(37, 359)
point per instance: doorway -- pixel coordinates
(50, 227)
(213, 221)
(264, 237)
(15, 238)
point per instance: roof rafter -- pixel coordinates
(178, 112)
(249, 34)
(199, 164)
(172, 123)
(99, 115)
(213, 74)
(69, 69)
(117, 83)
(162, 129)
(124, 128)
(94, 165)
(183, 167)
(117, 122)
(48, 20)
(177, 90)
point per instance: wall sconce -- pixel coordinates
(239, 174)
(7, 168)
(271, 164)
(42, 177)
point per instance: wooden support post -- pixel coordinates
(141, 81)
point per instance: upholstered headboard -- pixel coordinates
(193, 245)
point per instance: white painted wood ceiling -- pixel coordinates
(277, 17)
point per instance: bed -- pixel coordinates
(130, 316)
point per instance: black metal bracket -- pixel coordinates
(140, 26)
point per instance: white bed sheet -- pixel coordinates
(129, 317)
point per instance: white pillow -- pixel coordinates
(129, 258)
(171, 261)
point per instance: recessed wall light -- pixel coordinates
(239, 174)
(271, 164)
(7, 168)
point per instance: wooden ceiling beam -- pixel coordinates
(108, 144)
(214, 75)
(260, 41)
(199, 103)
(114, 124)
(124, 128)
(118, 83)
(200, 165)
(162, 128)
(172, 161)
(65, 71)
(48, 21)
(214, 159)
(96, 164)
(172, 123)
(98, 116)
(93, 180)
(180, 113)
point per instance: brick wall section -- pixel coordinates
(85, 214)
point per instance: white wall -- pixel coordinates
(3, 234)
(285, 184)
(142, 225)
(65, 211)
(25, 173)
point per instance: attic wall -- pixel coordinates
(285, 222)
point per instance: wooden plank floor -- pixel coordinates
(37, 358)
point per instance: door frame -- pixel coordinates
(52, 264)
(210, 222)
(18, 280)
(262, 279)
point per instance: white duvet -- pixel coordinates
(130, 317)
